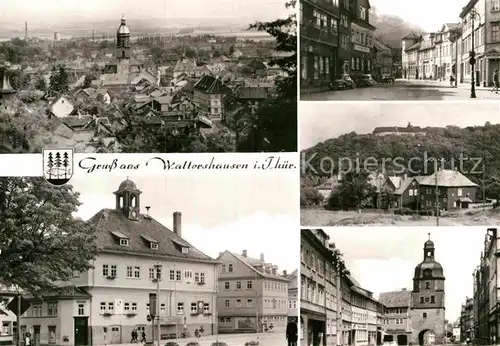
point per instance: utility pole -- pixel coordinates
(158, 323)
(436, 173)
(18, 330)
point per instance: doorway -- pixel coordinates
(116, 336)
(36, 335)
(81, 331)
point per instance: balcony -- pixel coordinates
(311, 32)
(325, 5)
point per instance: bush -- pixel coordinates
(310, 196)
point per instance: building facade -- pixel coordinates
(444, 52)
(362, 40)
(104, 305)
(335, 309)
(382, 62)
(314, 255)
(397, 319)
(348, 11)
(410, 47)
(473, 18)
(319, 41)
(485, 310)
(252, 295)
(427, 300)
(293, 293)
(467, 321)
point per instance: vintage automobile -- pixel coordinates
(387, 79)
(343, 83)
(365, 80)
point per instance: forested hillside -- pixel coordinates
(391, 29)
(480, 142)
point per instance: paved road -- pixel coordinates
(264, 339)
(404, 90)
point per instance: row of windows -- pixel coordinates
(132, 307)
(239, 303)
(269, 319)
(134, 272)
(37, 309)
(275, 286)
(249, 285)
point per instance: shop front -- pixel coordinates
(314, 328)
(492, 59)
(318, 62)
(361, 60)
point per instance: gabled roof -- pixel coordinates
(448, 178)
(395, 299)
(212, 85)
(64, 292)
(114, 220)
(254, 264)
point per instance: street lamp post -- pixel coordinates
(472, 61)
(158, 267)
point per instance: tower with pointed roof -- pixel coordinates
(6, 90)
(428, 299)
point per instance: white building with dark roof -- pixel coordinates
(103, 305)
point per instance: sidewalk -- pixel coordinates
(207, 340)
(307, 91)
(465, 85)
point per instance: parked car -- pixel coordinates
(387, 79)
(343, 83)
(171, 343)
(365, 80)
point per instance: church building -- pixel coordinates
(124, 69)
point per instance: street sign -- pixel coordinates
(152, 304)
(12, 306)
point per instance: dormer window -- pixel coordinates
(181, 245)
(154, 246)
(185, 250)
(123, 239)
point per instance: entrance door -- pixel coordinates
(81, 330)
(115, 337)
(36, 335)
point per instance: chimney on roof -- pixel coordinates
(274, 270)
(262, 257)
(177, 223)
(220, 254)
(285, 273)
(147, 210)
(244, 253)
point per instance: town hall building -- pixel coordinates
(103, 306)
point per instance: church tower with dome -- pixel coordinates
(428, 299)
(123, 47)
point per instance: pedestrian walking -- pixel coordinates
(452, 80)
(496, 82)
(291, 332)
(143, 336)
(27, 340)
(132, 335)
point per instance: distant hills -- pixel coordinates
(391, 29)
(137, 26)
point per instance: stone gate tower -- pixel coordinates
(427, 300)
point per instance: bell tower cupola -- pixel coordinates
(128, 199)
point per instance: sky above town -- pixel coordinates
(430, 15)
(322, 121)
(384, 260)
(66, 10)
(224, 211)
